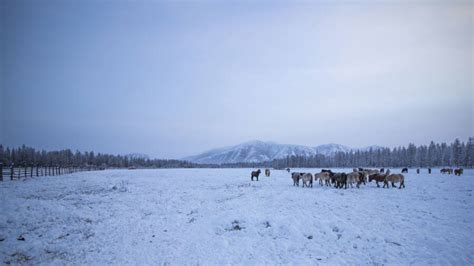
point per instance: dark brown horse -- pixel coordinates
(255, 174)
(378, 178)
(404, 170)
(458, 171)
(340, 179)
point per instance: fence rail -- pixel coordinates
(13, 172)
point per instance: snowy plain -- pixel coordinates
(218, 216)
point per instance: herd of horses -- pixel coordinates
(457, 171)
(343, 180)
(357, 177)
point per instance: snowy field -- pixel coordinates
(217, 216)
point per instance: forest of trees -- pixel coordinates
(456, 154)
(27, 156)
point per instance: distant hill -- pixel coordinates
(259, 151)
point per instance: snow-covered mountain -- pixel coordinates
(259, 151)
(331, 149)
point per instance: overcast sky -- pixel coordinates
(171, 79)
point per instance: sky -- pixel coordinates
(173, 78)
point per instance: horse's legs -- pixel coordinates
(393, 184)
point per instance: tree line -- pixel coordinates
(456, 154)
(28, 156)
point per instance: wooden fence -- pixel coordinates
(16, 172)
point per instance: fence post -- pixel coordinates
(31, 171)
(37, 170)
(12, 171)
(26, 170)
(1, 171)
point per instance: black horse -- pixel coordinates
(255, 174)
(404, 170)
(340, 179)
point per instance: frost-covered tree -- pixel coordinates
(456, 152)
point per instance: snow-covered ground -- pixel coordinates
(217, 216)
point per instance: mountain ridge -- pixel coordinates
(259, 151)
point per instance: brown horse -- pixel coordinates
(378, 178)
(255, 174)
